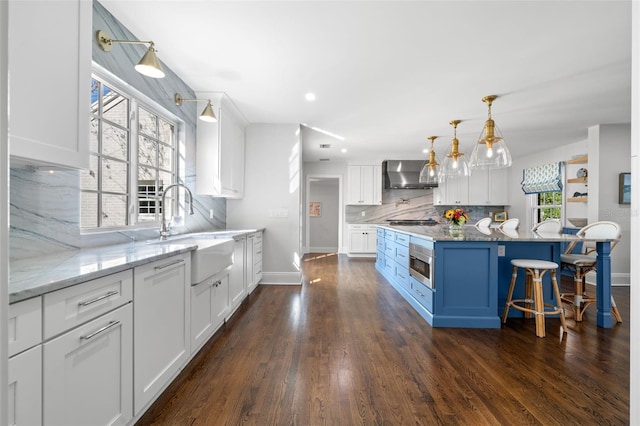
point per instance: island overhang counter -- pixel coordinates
(471, 271)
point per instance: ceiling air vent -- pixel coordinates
(325, 145)
(324, 159)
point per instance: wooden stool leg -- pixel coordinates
(514, 275)
(538, 300)
(578, 290)
(528, 292)
(615, 311)
(556, 290)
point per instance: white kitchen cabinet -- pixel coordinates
(25, 388)
(220, 147)
(257, 259)
(209, 307)
(87, 373)
(488, 188)
(237, 279)
(453, 192)
(60, 134)
(161, 292)
(362, 239)
(364, 184)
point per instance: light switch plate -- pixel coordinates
(501, 251)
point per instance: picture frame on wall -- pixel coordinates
(500, 217)
(315, 209)
(624, 188)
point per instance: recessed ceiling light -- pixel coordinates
(425, 151)
(343, 150)
(310, 97)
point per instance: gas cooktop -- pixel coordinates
(412, 222)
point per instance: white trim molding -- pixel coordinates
(281, 278)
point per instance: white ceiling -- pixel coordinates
(387, 74)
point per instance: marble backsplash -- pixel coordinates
(45, 215)
(410, 204)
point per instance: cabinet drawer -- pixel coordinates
(72, 306)
(402, 256)
(389, 267)
(380, 243)
(402, 239)
(402, 277)
(423, 294)
(389, 235)
(257, 249)
(380, 232)
(25, 325)
(390, 249)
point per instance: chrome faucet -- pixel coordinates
(163, 228)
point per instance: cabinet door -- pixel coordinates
(209, 302)
(208, 159)
(356, 241)
(237, 284)
(231, 154)
(488, 188)
(368, 184)
(25, 388)
(354, 185)
(87, 374)
(456, 191)
(248, 263)
(257, 259)
(377, 185)
(161, 319)
(370, 245)
(220, 301)
(499, 187)
(59, 135)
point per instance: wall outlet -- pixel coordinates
(363, 214)
(210, 213)
(501, 251)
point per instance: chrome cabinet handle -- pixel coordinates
(420, 294)
(101, 330)
(169, 264)
(99, 298)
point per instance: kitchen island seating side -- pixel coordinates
(580, 264)
(534, 271)
(549, 226)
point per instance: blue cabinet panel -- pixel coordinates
(402, 256)
(423, 294)
(389, 235)
(402, 239)
(402, 277)
(466, 279)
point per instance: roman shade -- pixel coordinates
(545, 178)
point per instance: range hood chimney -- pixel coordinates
(404, 174)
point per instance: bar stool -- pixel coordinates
(535, 269)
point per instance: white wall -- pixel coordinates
(273, 178)
(323, 229)
(634, 398)
(4, 214)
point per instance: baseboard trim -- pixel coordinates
(323, 250)
(281, 278)
(618, 279)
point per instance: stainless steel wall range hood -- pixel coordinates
(403, 174)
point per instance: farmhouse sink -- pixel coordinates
(211, 256)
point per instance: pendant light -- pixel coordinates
(430, 172)
(455, 164)
(491, 151)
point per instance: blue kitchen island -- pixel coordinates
(470, 272)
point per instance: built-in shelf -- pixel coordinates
(578, 199)
(578, 180)
(578, 160)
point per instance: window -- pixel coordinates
(547, 205)
(133, 152)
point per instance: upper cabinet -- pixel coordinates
(364, 184)
(50, 83)
(452, 192)
(220, 150)
(488, 187)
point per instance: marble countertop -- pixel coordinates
(36, 276)
(472, 233)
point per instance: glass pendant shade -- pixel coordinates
(455, 164)
(430, 172)
(491, 151)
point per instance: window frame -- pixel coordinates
(136, 100)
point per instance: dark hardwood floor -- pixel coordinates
(346, 349)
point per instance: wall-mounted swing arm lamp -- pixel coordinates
(430, 172)
(149, 65)
(207, 113)
(491, 151)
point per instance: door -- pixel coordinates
(324, 222)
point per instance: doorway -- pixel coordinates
(323, 214)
